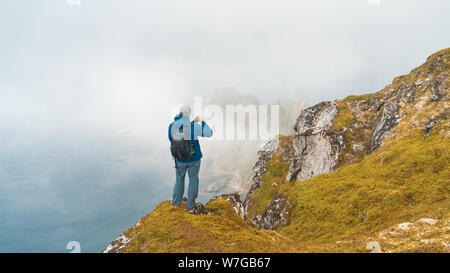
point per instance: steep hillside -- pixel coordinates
(365, 173)
(217, 229)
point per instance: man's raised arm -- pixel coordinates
(202, 130)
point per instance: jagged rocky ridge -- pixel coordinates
(260, 167)
(321, 144)
(316, 146)
(334, 134)
(276, 214)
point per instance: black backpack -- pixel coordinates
(180, 147)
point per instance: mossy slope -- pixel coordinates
(171, 229)
(404, 183)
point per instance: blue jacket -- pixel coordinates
(200, 130)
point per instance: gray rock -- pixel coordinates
(419, 82)
(436, 92)
(388, 120)
(260, 167)
(316, 147)
(235, 200)
(116, 245)
(429, 126)
(374, 247)
(276, 214)
(199, 209)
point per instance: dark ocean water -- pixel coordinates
(89, 190)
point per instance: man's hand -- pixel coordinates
(199, 119)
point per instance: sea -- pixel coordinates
(56, 190)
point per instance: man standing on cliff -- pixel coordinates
(185, 148)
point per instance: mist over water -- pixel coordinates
(87, 91)
(86, 189)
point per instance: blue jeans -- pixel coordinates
(193, 169)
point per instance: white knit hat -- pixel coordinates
(185, 110)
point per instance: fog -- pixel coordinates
(96, 83)
(113, 64)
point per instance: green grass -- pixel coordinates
(344, 116)
(273, 183)
(349, 155)
(358, 97)
(171, 229)
(408, 181)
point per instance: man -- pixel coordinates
(183, 124)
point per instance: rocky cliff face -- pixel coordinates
(276, 212)
(316, 146)
(260, 167)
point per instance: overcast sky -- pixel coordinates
(122, 62)
(87, 91)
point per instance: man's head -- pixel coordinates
(185, 110)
